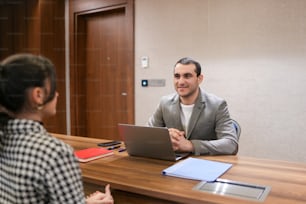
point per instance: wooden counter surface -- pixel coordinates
(136, 179)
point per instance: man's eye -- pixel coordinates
(187, 76)
(177, 76)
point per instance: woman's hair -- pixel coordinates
(188, 60)
(19, 73)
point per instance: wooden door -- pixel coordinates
(102, 93)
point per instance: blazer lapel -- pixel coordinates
(197, 110)
(176, 111)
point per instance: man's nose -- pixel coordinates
(181, 80)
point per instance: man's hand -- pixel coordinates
(179, 141)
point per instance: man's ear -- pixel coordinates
(200, 78)
(37, 95)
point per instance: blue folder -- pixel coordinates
(197, 169)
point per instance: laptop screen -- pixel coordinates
(145, 141)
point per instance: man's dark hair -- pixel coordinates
(188, 60)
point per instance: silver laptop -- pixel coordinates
(152, 142)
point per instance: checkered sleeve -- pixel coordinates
(64, 178)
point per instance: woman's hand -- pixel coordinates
(101, 198)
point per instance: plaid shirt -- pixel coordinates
(36, 167)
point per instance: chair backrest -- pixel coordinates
(237, 128)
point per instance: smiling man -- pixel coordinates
(198, 122)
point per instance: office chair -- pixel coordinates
(237, 128)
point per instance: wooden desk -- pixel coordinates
(139, 180)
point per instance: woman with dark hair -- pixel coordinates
(34, 166)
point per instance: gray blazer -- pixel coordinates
(210, 127)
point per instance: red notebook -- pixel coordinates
(92, 153)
